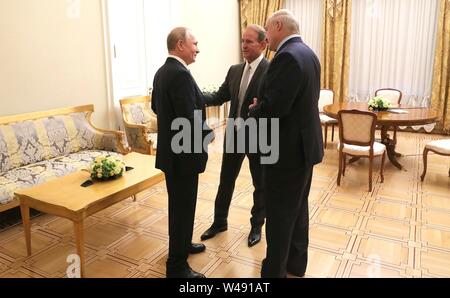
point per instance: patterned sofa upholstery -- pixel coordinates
(140, 124)
(37, 147)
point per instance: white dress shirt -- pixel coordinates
(179, 60)
(286, 39)
(254, 66)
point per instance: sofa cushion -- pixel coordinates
(40, 172)
(32, 141)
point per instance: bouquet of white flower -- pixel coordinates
(210, 89)
(379, 103)
(106, 168)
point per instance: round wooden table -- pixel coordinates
(386, 119)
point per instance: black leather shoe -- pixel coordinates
(212, 231)
(295, 275)
(254, 236)
(184, 273)
(196, 248)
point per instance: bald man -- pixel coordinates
(176, 95)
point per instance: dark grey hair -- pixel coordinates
(258, 29)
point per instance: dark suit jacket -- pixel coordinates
(229, 91)
(175, 94)
(290, 91)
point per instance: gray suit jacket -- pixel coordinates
(229, 91)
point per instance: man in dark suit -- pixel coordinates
(240, 87)
(176, 96)
(290, 93)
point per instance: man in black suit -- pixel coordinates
(290, 93)
(240, 87)
(176, 96)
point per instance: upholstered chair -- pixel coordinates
(357, 139)
(326, 98)
(394, 96)
(441, 147)
(140, 124)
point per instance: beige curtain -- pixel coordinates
(441, 76)
(257, 12)
(335, 57)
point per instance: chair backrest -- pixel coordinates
(326, 98)
(393, 95)
(34, 137)
(136, 110)
(357, 127)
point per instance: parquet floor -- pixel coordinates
(400, 229)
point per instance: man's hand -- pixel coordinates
(254, 104)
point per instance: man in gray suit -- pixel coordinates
(240, 87)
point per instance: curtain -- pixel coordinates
(441, 77)
(392, 46)
(257, 12)
(335, 56)
(309, 14)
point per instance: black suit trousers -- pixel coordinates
(182, 191)
(287, 223)
(231, 166)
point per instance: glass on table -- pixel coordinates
(412, 102)
(351, 98)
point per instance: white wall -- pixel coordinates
(52, 51)
(215, 23)
(52, 56)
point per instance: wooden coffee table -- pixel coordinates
(65, 197)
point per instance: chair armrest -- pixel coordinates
(137, 135)
(132, 125)
(110, 140)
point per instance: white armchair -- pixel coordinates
(326, 98)
(441, 147)
(394, 96)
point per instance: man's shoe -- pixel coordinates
(212, 231)
(295, 275)
(196, 248)
(254, 236)
(184, 273)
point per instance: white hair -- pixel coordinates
(287, 19)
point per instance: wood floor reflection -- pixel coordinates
(400, 229)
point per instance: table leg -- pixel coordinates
(390, 147)
(25, 212)
(79, 239)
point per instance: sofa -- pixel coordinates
(140, 124)
(37, 147)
